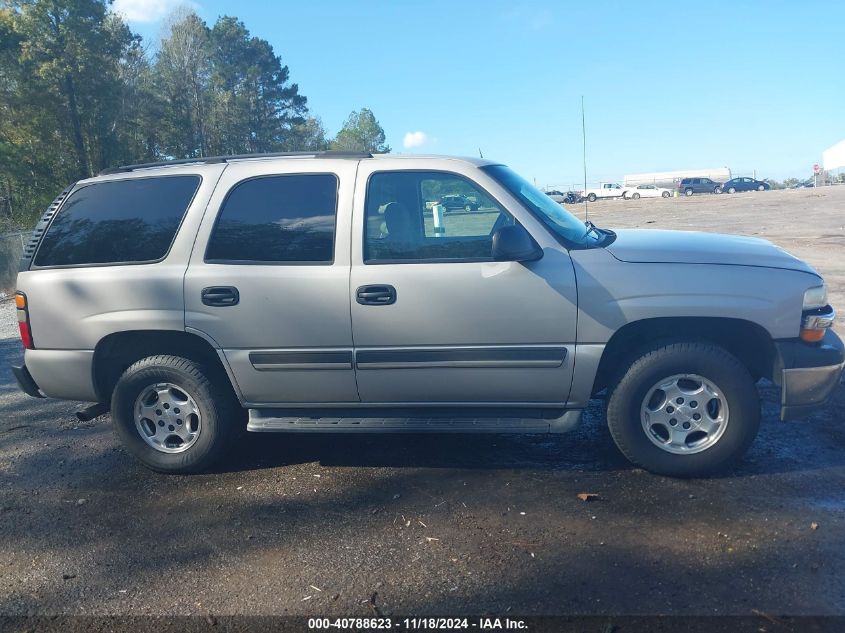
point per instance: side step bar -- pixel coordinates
(282, 421)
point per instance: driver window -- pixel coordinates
(429, 216)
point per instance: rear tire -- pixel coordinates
(146, 403)
(636, 424)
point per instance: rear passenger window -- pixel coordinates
(277, 219)
(118, 222)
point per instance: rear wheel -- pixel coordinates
(684, 409)
(175, 415)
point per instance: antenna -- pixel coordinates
(480, 155)
(584, 155)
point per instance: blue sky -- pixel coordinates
(748, 85)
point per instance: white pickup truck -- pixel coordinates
(606, 190)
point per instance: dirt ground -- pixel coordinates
(439, 525)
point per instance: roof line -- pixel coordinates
(208, 160)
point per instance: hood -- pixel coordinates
(693, 247)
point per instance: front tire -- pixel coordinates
(591, 197)
(688, 192)
(468, 208)
(175, 415)
(761, 188)
(732, 190)
(636, 196)
(665, 194)
(685, 409)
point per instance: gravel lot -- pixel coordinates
(437, 525)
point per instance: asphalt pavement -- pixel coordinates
(358, 525)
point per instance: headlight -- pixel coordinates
(818, 317)
(815, 298)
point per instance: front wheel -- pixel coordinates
(717, 190)
(665, 194)
(174, 415)
(761, 188)
(684, 409)
(591, 197)
(468, 208)
(688, 192)
(636, 196)
(731, 190)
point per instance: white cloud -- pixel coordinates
(415, 139)
(145, 11)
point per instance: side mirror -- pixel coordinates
(514, 244)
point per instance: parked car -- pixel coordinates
(458, 201)
(570, 197)
(745, 184)
(647, 191)
(689, 186)
(200, 298)
(606, 190)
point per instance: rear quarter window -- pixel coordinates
(118, 222)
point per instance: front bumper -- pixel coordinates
(808, 374)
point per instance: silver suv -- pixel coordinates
(333, 293)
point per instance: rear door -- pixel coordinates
(435, 320)
(268, 280)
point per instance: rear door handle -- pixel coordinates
(220, 296)
(377, 295)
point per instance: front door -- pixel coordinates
(268, 280)
(434, 319)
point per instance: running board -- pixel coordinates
(270, 421)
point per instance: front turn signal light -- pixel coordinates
(814, 323)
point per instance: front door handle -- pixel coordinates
(377, 295)
(220, 296)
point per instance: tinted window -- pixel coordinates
(413, 216)
(288, 219)
(118, 222)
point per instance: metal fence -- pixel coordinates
(11, 248)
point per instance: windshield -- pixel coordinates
(553, 215)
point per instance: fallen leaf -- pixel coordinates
(587, 496)
(814, 526)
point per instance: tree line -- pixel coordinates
(80, 92)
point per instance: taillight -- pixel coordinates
(23, 320)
